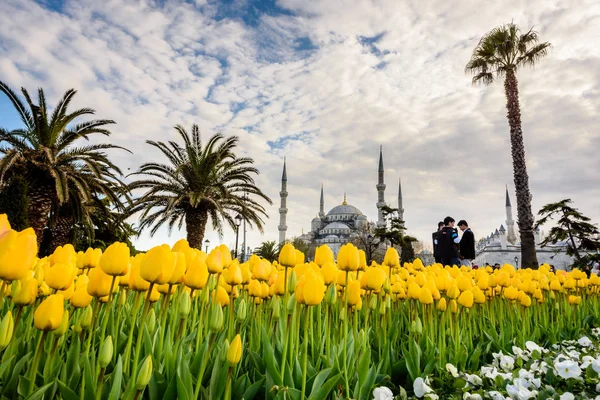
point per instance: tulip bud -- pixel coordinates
(291, 305)
(27, 294)
(382, 308)
(106, 352)
(215, 320)
(64, 325)
(204, 295)
(234, 353)
(151, 324)
(6, 330)
(373, 303)
(86, 317)
(388, 301)
(343, 314)
(331, 295)
(276, 308)
(144, 374)
(292, 280)
(241, 311)
(185, 304)
(442, 304)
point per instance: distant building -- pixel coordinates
(343, 222)
(503, 247)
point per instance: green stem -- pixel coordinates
(100, 384)
(307, 327)
(36, 362)
(203, 367)
(346, 381)
(136, 308)
(138, 344)
(228, 386)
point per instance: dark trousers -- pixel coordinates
(452, 260)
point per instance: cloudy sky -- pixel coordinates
(325, 83)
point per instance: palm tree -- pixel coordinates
(199, 182)
(268, 250)
(45, 153)
(499, 54)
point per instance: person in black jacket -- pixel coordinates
(467, 243)
(448, 243)
(436, 248)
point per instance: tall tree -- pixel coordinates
(500, 54)
(268, 250)
(201, 181)
(571, 226)
(44, 152)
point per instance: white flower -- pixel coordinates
(383, 393)
(520, 353)
(495, 395)
(420, 387)
(532, 346)
(452, 369)
(519, 392)
(474, 380)
(586, 360)
(469, 396)
(598, 388)
(574, 354)
(567, 396)
(596, 365)
(584, 341)
(507, 363)
(568, 369)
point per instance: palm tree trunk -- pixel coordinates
(524, 214)
(39, 209)
(195, 225)
(61, 231)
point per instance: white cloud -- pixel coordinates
(329, 107)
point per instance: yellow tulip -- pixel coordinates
(287, 255)
(233, 274)
(526, 301)
(425, 296)
(18, 251)
(392, 258)
(453, 292)
(4, 224)
(299, 257)
(234, 353)
(81, 298)
(464, 283)
(466, 299)
(329, 272)
(91, 258)
(180, 266)
(225, 255)
(511, 293)
(196, 275)
(181, 245)
(64, 255)
(348, 258)
(115, 259)
(214, 261)
(323, 255)
(49, 314)
(99, 284)
(314, 288)
(414, 291)
(158, 264)
(60, 276)
(354, 293)
(7, 327)
(453, 306)
(555, 285)
(27, 294)
(442, 304)
(246, 274)
(372, 279)
(222, 296)
(362, 260)
(136, 282)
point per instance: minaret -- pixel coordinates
(400, 208)
(283, 209)
(380, 192)
(510, 223)
(322, 204)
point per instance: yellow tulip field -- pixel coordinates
(176, 322)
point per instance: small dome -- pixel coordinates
(362, 217)
(316, 219)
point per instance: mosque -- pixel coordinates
(342, 222)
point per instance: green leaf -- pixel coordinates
(4, 365)
(269, 358)
(320, 378)
(325, 389)
(459, 383)
(239, 386)
(117, 379)
(66, 392)
(90, 382)
(171, 391)
(363, 366)
(250, 393)
(39, 394)
(11, 386)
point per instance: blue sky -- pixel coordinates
(325, 83)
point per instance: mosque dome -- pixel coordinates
(344, 209)
(336, 225)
